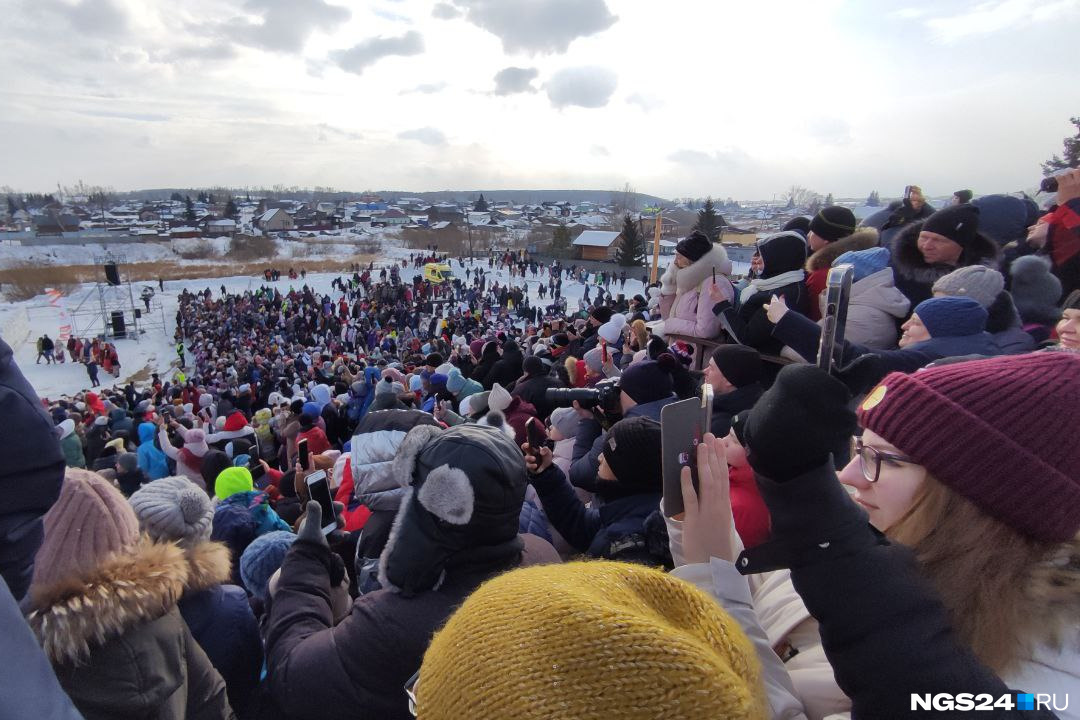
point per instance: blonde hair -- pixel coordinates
(640, 333)
(1006, 593)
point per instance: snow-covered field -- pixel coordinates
(21, 323)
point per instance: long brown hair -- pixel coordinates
(1006, 593)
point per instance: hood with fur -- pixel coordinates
(70, 617)
(209, 565)
(862, 239)
(676, 280)
(909, 262)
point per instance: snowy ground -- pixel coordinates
(22, 323)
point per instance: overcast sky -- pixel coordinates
(677, 98)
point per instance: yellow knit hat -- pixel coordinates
(585, 640)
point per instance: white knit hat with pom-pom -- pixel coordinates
(174, 509)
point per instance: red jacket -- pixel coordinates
(752, 520)
(317, 442)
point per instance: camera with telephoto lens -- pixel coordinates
(1049, 185)
(605, 395)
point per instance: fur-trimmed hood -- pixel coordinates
(909, 262)
(1054, 591)
(862, 239)
(127, 590)
(676, 280)
(209, 565)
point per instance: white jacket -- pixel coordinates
(874, 309)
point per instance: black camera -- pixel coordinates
(605, 395)
(1049, 185)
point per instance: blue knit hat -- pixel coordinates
(438, 380)
(416, 383)
(865, 262)
(262, 559)
(311, 409)
(951, 316)
(455, 381)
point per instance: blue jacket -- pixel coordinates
(151, 459)
(598, 530)
(532, 520)
(258, 507)
(589, 442)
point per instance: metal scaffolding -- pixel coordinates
(112, 311)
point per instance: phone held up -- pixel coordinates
(683, 425)
(302, 454)
(834, 319)
(537, 435)
(319, 490)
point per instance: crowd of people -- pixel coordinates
(94, 354)
(500, 546)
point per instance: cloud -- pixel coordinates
(587, 87)
(997, 15)
(391, 16)
(367, 52)
(445, 11)
(645, 102)
(426, 135)
(537, 26)
(88, 17)
(286, 24)
(425, 89)
(600, 151)
(829, 130)
(511, 80)
(720, 159)
(213, 51)
(328, 133)
(909, 13)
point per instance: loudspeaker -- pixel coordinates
(119, 330)
(138, 313)
(112, 275)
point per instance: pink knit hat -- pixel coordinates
(1001, 432)
(90, 521)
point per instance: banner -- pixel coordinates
(56, 300)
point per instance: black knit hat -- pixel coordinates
(799, 224)
(694, 246)
(532, 365)
(959, 223)
(648, 380)
(601, 314)
(1072, 302)
(433, 359)
(964, 196)
(833, 223)
(632, 451)
(560, 340)
(740, 364)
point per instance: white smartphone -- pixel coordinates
(319, 491)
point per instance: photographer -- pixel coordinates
(627, 490)
(644, 388)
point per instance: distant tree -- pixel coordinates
(791, 202)
(873, 200)
(1071, 158)
(709, 221)
(829, 200)
(814, 206)
(189, 211)
(201, 197)
(631, 252)
(210, 198)
(230, 209)
(11, 206)
(798, 196)
(481, 204)
(560, 242)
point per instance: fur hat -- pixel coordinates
(90, 521)
(833, 223)
(694, 246)
(465, 490)
(677, 654)
(951, 316)
(262, 558)
(978, 282)
(1035, 290)
(174, 509)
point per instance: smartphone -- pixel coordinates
(714, 276)
(302, 453)
(834, 318)
(256, 469)
(537, 435)
(682, 426)
(603, 352)
(319, 490)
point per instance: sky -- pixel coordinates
(680, 98)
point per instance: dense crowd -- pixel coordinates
(500, 546)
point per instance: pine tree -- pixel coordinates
(829, 200)
(709, 221)
(873, 200)
(1071, 157)
(189, 212)
(560, 241)
(631, 252)
(176, 197)
(230, 209)
(814, 206)
(481, 204)
(12, 209)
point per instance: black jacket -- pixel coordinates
(730, 404)
(884, 628)
(532, 390)
(915, 277)
(507, 369)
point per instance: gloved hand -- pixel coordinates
(863, 373)
(797, 423)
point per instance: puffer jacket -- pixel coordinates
(119, 645)
(685, 302)
(151, 459)
(875, 310)
(507, 369)
(915, 277)
(71, 445)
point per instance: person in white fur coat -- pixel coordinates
(685, 303)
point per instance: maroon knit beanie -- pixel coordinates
(1001, 432)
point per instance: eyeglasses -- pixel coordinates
(870, 459)
(410, 692)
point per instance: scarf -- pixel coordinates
(192, 460)
(766, 284)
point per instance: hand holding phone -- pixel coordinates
(603, 352)
(537, 435)
(708, 524)
(319, 491)
(302, 453)
(683, 424)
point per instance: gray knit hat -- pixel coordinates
(565, 420)
(978, 282)
(174, 509)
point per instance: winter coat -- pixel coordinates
(30, 477)
(72, 448)
(95, 442)
(507, 369)
(818, 264)
(221, 621)
(730, 404)
(1006, 328)
(875, 309)
(590, 438)
(517, 414)
(257, 505)
(471, 387)
(533, 389)
(685, 301)
(484, 368)
(119, 645)
(599, 530)
(533, 521)
(915, 277)
(151, 459)
(121, 424)
(563, 454)
(357, 668)
(183, 467)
